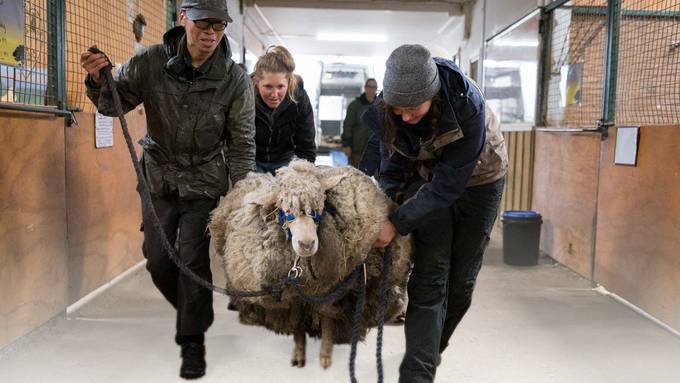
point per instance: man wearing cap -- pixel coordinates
(200, 132)
(445, 166)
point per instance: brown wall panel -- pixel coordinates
(33, 258)
(638, 229)
(528, 166)
(518, 154)
(518, 186)
(103, 205)
(565, 184)
(508, 190)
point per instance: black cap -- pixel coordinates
(206, 9)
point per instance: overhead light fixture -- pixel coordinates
(353, 37)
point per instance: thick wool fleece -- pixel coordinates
(255, 249)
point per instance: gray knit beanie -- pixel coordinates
(411, 77)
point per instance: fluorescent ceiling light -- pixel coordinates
(354, 37)
(515, 43)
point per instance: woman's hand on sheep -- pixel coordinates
(387, 233)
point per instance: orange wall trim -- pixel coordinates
(638, 227)
(565, 190)
(69, 215)
(33, 243)
(104, 213)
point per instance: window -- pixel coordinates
(511, 71)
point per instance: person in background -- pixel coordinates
(199, 111)
(355, 134)
(284, 117)
(138, 26)
(447, 175)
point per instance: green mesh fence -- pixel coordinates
(648, 84)
(109, 25)
(576, 59)
(24, 72)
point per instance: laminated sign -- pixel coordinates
(11, 32)
(103, 131)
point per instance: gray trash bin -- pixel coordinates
(521, 237)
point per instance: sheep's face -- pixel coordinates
(299, 193)
(300, 198)
(303, 234)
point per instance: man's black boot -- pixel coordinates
(193, 359)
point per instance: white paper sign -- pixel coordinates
(626, 145)
(103, 131)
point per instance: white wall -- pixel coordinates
(235, 30)
(471, 49)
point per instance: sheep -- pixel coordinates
(256, 250)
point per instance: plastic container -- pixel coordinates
(521, 237)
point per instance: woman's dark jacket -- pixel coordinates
(285, 131)
(462, 117)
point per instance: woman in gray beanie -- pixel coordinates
(446, 171)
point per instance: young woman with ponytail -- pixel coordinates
(284, 119)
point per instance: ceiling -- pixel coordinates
(453, 6)
(385, 25)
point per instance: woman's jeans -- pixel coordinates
(449, 246)
(269, 167)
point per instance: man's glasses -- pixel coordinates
(216, 26)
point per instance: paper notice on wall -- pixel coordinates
(626, 151)
(103, 131)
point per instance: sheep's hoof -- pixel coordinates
(325, 362)
(298, 360)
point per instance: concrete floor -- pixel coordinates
(540, 324)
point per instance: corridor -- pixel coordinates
(541, 324)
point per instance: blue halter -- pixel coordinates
(285, 217)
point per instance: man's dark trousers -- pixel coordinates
(189, 219)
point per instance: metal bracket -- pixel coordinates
(70, 120)
(295, 272)
(603, 128)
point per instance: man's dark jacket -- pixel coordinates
(355, 133)
(196, 118)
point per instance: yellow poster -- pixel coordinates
(574, 80)
(11, 32)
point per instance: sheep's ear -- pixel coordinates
(329, 182)
(260, 198)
